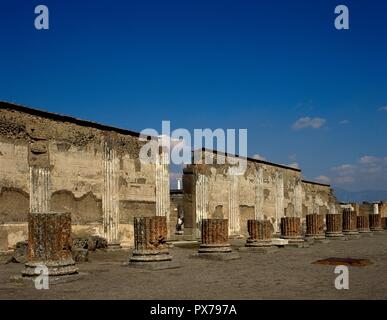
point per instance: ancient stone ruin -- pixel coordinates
(363, 225)
(260, 233)
(150, 247)
(334, 224)
(315, 226)
(291, 229)
(214, 240)
(375, 222)
(49, 244)
(350, 223)
(51, 163)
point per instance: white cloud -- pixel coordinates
(323, 179)
(368, 172)
(369, 160)
(294, 165)
(259, 157)
(308, 122)
(383, 108)
(345, 121)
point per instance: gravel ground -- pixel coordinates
(285, 274)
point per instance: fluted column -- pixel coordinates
(315, 226)
(214, 236)
(162, 184)
(334, 224)
(349, 222)
(260, 233)
(110, 195)
(298, 198)
(49, 244)
(201, 201)
(279, 208)
(234, 226)
(259, 194)
(40, 194)
(363, 225)
(375, 222)
(291, 229)
(150, 236)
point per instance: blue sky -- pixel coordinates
(260, 65)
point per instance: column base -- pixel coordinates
(335, 236)
(377, 229)
(296, 242)
(146, 256)
(61, 268)
(259, 243)
(215, 248)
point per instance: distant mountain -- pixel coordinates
(360, 196)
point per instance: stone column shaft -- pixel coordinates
(279, 212)
(40, 194)
(363, 225)
(375, 222)
(49, 244)
(214, 236)
(291, 228)
(150, 236)
(234, 205)
(110, 195)
(162, 185)
(259, 195)
(298, 198)
(260, 233)
(334, 224)
(315, 226)
(349, 222)
(201, 201)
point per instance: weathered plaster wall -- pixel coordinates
(73, 159)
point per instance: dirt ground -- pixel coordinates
(285, 274)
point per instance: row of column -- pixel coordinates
(202, 207)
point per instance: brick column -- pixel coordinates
(375, 222)
(315, 226)
(384, 223)
(49, 244)
(214, 236)
(150, 235)
(349, 222)
(363, 225)
(260, 233)
(291, 229)
(334, 226)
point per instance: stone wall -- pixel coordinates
(264, 191)
(53, 162)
